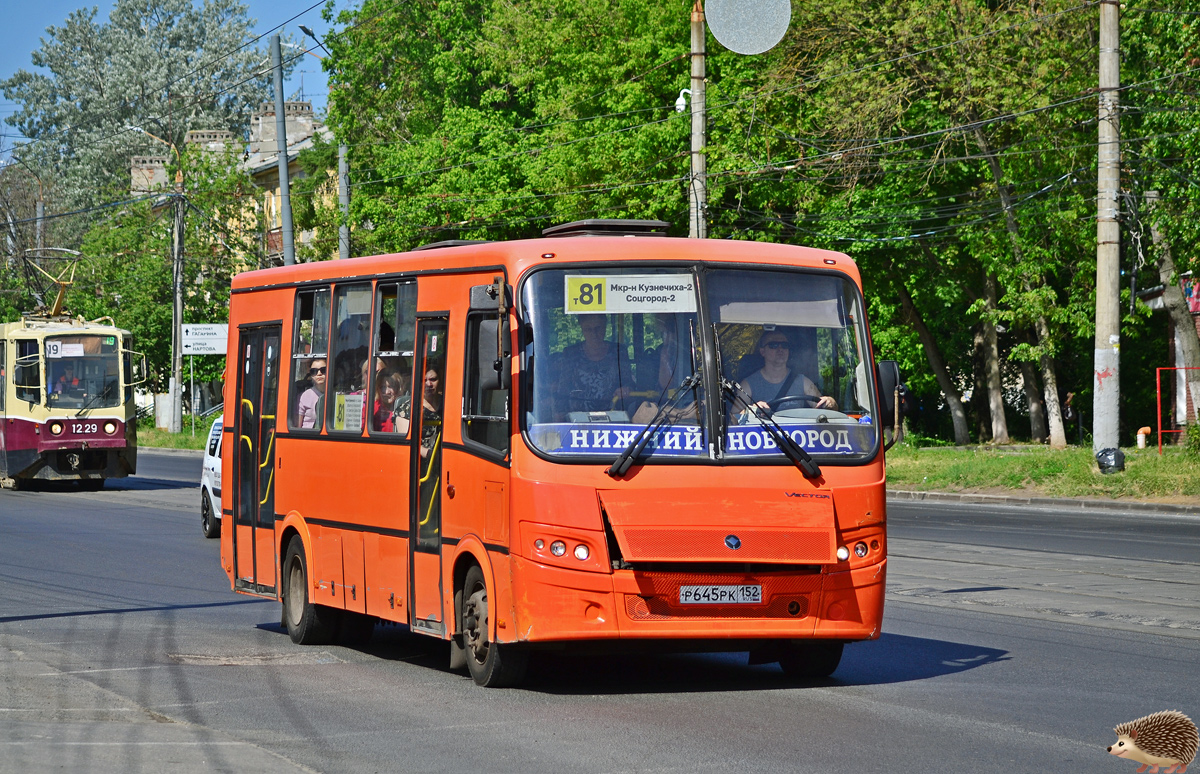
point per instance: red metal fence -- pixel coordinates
(1158, 391)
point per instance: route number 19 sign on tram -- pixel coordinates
(630, 294)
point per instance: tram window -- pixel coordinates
(485, 418)
(310, 343)
(127, 366)
(394, 332)
(3, 376)
(346, 406)
(27, 376)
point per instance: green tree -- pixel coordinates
(127, 266)
(163, 65)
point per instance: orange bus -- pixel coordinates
(623, 439)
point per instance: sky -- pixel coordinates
(25, 24)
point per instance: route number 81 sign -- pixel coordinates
(630, 294)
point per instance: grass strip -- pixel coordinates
(1037, 470)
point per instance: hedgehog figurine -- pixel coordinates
(1162, 739)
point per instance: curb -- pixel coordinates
(1068, 504)
(178, 452)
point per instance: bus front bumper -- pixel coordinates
(554, 604)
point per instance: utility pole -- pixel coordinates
(1107, 363)
(697, 193)
(176, 386)
(285, 199)
(344, 202)
(41, 219)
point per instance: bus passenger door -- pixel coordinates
(254, 460)
(426, 412)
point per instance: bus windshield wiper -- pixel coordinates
(634, 450)
(792, 450)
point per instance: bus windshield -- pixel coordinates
(614, 348)
(83, 371)
(793, 350)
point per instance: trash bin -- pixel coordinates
(1110, 460)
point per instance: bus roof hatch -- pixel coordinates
(609, 227)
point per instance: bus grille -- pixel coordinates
(708, 543)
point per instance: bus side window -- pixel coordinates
(394, 333)
(485, 415)
(310, 343)
(349, 368)
(28, 372)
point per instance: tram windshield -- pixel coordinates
(617, 351)
(83, 371)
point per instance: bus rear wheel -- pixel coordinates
(307, 624)
(491, 664)
(809, 658)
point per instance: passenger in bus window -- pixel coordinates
(312, 400)
(776, 380)
(592, 375)
(387, 396)
(431, 406)
(659, 371)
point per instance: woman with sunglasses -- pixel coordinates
(775, 380)
(311, 399)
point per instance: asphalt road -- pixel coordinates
(1014, 640)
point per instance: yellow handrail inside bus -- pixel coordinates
(270, 481)
(267, 453)
(428, 472)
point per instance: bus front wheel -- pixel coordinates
(307, 624)
(810, 658)
(491, 664)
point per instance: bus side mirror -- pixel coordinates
(887, 379)
(494, 362)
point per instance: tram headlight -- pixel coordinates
(843, 553)
(860, 549)
(582, 552)
(558, 548)
(56, 428)
(110, 427)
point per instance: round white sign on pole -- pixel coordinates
(748, 26)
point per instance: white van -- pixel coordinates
(210, 484)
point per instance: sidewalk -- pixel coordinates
(1064, 503)
(197, 453)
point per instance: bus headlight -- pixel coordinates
(860, 549)
(843, 553)
(558, 548)
(56, 428)
(110, 427)
(582, 552)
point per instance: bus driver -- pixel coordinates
(775, 380)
